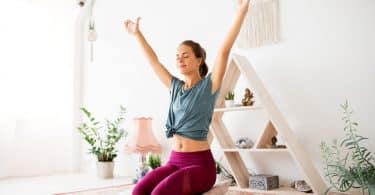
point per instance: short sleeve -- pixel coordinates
(208, 81)
(175, 85)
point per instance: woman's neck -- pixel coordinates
(191, 80)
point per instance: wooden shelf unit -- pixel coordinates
(277, 125)
(279, 191)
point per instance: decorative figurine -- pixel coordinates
(247, 100)
(274, 145)
(244, 142)
(301, 186)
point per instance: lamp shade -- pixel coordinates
(142, 139)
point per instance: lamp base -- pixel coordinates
(142, 170)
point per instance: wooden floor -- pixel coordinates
(63, 184)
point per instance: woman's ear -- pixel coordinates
(200, 60)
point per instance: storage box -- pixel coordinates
(264, 182)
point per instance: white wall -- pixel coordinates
(323, 59)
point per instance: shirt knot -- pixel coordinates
(170, 131)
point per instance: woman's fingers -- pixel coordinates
(130, 26)
(127, 24)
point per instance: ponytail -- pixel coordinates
(203, 69)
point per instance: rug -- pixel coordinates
(125, 189)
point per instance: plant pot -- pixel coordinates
(219, 177)
(229, 103)
(371, 189)
(104, 169)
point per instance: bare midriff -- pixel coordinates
(184, 144)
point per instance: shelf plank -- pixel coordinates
(255, 150)
(238, 108)
(278, 191)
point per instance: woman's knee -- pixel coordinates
(147, 184)
(141, 189)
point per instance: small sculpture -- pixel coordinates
(244, 142)
(274, 145)
(247, 100)
(301, 185)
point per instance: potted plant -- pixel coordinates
(219, 172)
(348, 163)
(154, 161)
(102, 139)
(229, 99)
(223, 174)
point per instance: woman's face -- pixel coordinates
(186, 61)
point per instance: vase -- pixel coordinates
(104, 169)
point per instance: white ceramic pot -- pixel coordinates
(229, 103)
(104, 169)
(219, 177)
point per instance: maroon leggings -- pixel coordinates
(186, 173)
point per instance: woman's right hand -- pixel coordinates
(132, 27)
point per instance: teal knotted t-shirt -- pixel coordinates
(190, 111)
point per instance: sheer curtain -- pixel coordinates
(36, 87)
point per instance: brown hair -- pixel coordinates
(199, 52)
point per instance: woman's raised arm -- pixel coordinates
(220, 63)
(163, 74)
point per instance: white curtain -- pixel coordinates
(36, 87)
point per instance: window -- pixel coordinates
(36, 87)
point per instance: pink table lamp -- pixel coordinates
(142, 141)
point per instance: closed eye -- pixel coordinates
(184, 56)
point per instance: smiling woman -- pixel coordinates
(36, 88)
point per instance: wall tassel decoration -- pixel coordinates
(261, 25)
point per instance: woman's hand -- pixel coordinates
(132, 27)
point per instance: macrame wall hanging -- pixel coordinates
(261, 25)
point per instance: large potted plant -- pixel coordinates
(348, 163)
(102, 139)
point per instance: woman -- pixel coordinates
(191, 167)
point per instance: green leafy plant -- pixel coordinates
(220, 169)
(230, 96)
(348, 164)
(154, 161)
(102, 138)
